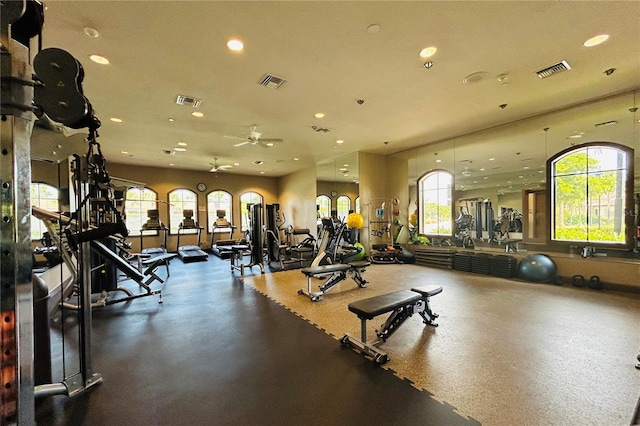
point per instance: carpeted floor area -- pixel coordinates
(506, 352)
(217, 352)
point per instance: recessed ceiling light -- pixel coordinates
(481, 169)
(261, 173)
(319, 115)
(124, 152)
(339, 141)
(99, 59)
(594, 41)
(345, 165)
(91, 32)
(576, 136)
(438, 161)
(296, 159)
(269, 144)
(236, 164)
(171, 120)
(182, 144)
(428, 52)
(491, 159)
(178, 149)
(235, 45)
(171, 164)
(526, 167)
(116, 119)
(197, 114)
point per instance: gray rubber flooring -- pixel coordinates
(217, 352)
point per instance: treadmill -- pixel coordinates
(192, 253)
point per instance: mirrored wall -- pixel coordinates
(336, 179)
(505, 164)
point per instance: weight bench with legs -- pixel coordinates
(338, 272)
(402, 305)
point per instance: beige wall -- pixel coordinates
(297, 198)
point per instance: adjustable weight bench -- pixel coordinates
(401, 304)
(338, 272)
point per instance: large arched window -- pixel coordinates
(180, 200)
(46, 197)
(343, 205)
(590, 190)
(248, 198)
(323, 204)
(435, 195)
(218, 200)
(137, 202)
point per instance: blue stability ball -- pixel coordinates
(539, 268)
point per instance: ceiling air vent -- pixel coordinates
(319, 129)
(188, 101)
(272, 82)
(553, 69)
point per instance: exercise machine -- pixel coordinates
(220, 228)
(402, 305)
(254, 246)
(153, 223)
(190, 253)
(337, 272)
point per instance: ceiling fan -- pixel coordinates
(215, 167)
(255, 138)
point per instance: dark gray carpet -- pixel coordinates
(217, 352)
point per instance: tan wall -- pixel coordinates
(297, 198)
(373, 186)
(397, 188)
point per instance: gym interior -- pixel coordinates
(172, 290)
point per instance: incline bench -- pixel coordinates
(401, 304)
(338, 272)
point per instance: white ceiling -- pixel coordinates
(159, 50)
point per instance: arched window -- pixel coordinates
(324, 206)
(343, 205)
(137, 202)
(358, 204)
(180, 200)
(435, 194)
(46, 197)
(218, 200)
(590, 190)
(248, 198)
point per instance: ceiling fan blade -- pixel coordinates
(234, 137)
(241, 143)
(271, 140)
(225, 167)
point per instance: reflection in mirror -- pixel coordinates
(337, 179)
(506, 165)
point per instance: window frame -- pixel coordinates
(211, 213)
(338, 200)
(244, 218)
(628, 201)
(34, 220)
(143, 212)
(450, 195)
(172, 205)
(319, 204)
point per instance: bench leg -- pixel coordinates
(359, 279)
(314, 296)
(395, 320)
(369, 350)
(332, 281)
(424, 309)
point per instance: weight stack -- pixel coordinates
(503, 266)
(480, 263)
(462, 261)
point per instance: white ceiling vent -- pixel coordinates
(553, 69)
(188, 101)
(272, 82)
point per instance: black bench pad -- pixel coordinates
(378, 305)
(325, 269)
(360, 264)
(428, 290)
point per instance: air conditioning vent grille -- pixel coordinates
(553, 69)
(188, 101)
(272, 82)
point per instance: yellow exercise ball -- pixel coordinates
(413, 219)
(355, 220)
